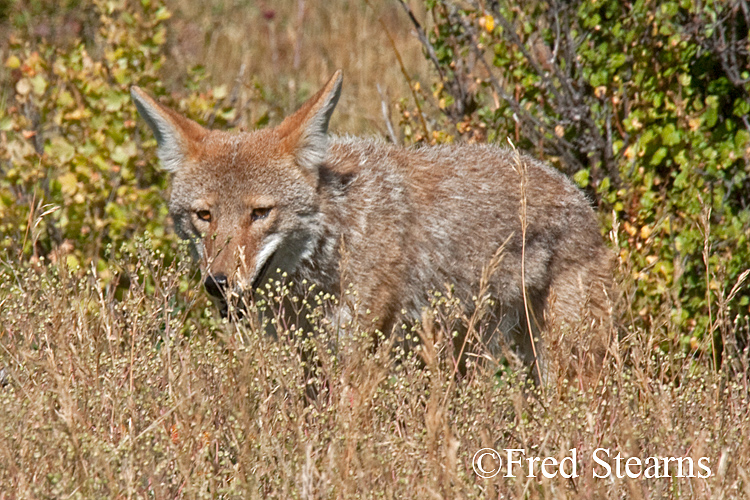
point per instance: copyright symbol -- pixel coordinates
(487, 463)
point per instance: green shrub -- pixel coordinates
(79, 169)
(645, 105)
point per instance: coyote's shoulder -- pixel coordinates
(396, 223)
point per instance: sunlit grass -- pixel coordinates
(149, 394)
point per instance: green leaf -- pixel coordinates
(68, 183)
(114, 100)
(670, 135)
(61, 150)
(39, 84)
(658, 156)
(741, 139)
(6, 123)
(617, 60)
(582, 178)
(711, 113)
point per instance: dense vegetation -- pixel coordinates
(118, 380)
(647, 106)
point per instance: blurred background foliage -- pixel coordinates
(79, 173)
(645, 104)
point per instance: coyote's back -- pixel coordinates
(395, 223)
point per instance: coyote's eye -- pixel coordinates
(260, 213)
(204, 215)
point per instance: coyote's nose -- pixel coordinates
(216, 285)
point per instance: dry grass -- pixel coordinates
(292, 47)
(144, 394)
(147, 396)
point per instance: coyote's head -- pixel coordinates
(247, 202)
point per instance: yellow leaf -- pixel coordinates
(12, 62)
(39, 84)
(489, 23)
(160, 36)
(162, 13)
(68, 183)
(77, 114)
(220, 92)
(72, 261)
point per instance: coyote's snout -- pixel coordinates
(412, 221)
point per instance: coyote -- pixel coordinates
(406, 221)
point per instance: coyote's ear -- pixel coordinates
(175, 134)
(305, 133)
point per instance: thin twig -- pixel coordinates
(423, 38)
(401, 64)
(386, 116)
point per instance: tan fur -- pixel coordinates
(412, 220)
